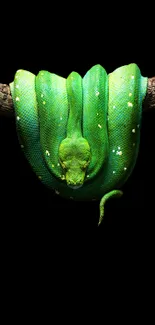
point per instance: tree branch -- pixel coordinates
(149, 102)
(6, 103)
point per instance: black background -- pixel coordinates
(36, 225)
(33, 214)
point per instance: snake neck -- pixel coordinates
(74, 150)
(74, 96)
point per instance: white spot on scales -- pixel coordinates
(130, 104)
(119, 153)
(47, 153)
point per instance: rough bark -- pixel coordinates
(149, 102)
(6, 103)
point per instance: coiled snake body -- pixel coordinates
(81, 135)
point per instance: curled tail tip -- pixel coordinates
(105, 198)
(100, 221)
(101, 218)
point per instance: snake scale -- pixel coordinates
(81, 135)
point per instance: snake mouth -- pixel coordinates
(74, 187)
(75, 178)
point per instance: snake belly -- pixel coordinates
(109, 110)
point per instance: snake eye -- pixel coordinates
(84, 165)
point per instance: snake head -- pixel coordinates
(74, 155)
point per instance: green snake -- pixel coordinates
(81, 135)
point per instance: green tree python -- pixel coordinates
(81, 135)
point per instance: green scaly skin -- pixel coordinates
(81, 135)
